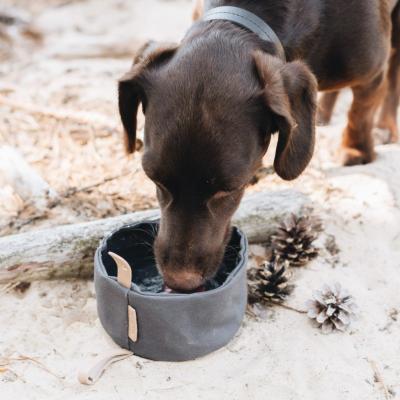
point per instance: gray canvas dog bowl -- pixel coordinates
(167, 326)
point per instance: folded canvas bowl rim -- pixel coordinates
(171, 326)
(234, 274)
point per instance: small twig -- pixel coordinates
(21, 224)
(379, 379)
(98, 53)
(250, 312)
(59, 114)
(72, 191)
(288, 307)
(8, 288)
(33, 360)
(63, 196)
(3, 370)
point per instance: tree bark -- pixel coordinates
(67, 251)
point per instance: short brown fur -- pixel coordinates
(213, 101)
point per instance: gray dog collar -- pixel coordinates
(247, 20)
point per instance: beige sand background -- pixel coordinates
(50, 329)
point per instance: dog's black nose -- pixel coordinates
(183, 281)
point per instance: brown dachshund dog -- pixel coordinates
(213, 101)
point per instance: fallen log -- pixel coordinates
(67, 251)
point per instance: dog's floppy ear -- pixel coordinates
(290, 92)
(131, 91)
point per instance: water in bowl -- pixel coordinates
(135, 245)
(155, 284)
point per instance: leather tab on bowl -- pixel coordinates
(124, 275)
(132, 324)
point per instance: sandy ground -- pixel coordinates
(278, 353)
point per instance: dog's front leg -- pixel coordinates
(325, 107)
(388, 117)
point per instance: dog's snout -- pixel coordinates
(189, 252)
(184, 281)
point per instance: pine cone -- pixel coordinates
(269, 282)
(294, 240)
(332, 308)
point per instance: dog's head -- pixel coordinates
(209, 120)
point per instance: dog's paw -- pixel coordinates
(386, 130)
(381, 135)
(385, 135)
(352, 156)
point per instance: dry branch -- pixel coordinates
(83, 117)
(101, 51)
(67, 251)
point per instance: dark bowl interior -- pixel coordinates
(135, 244)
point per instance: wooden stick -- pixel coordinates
(67, 251)
(379, 379)
(106, 51)
(287, 307)
(84, 117)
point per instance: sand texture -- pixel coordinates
(50, 329)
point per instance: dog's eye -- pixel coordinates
(223, 193)
(228, 192)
